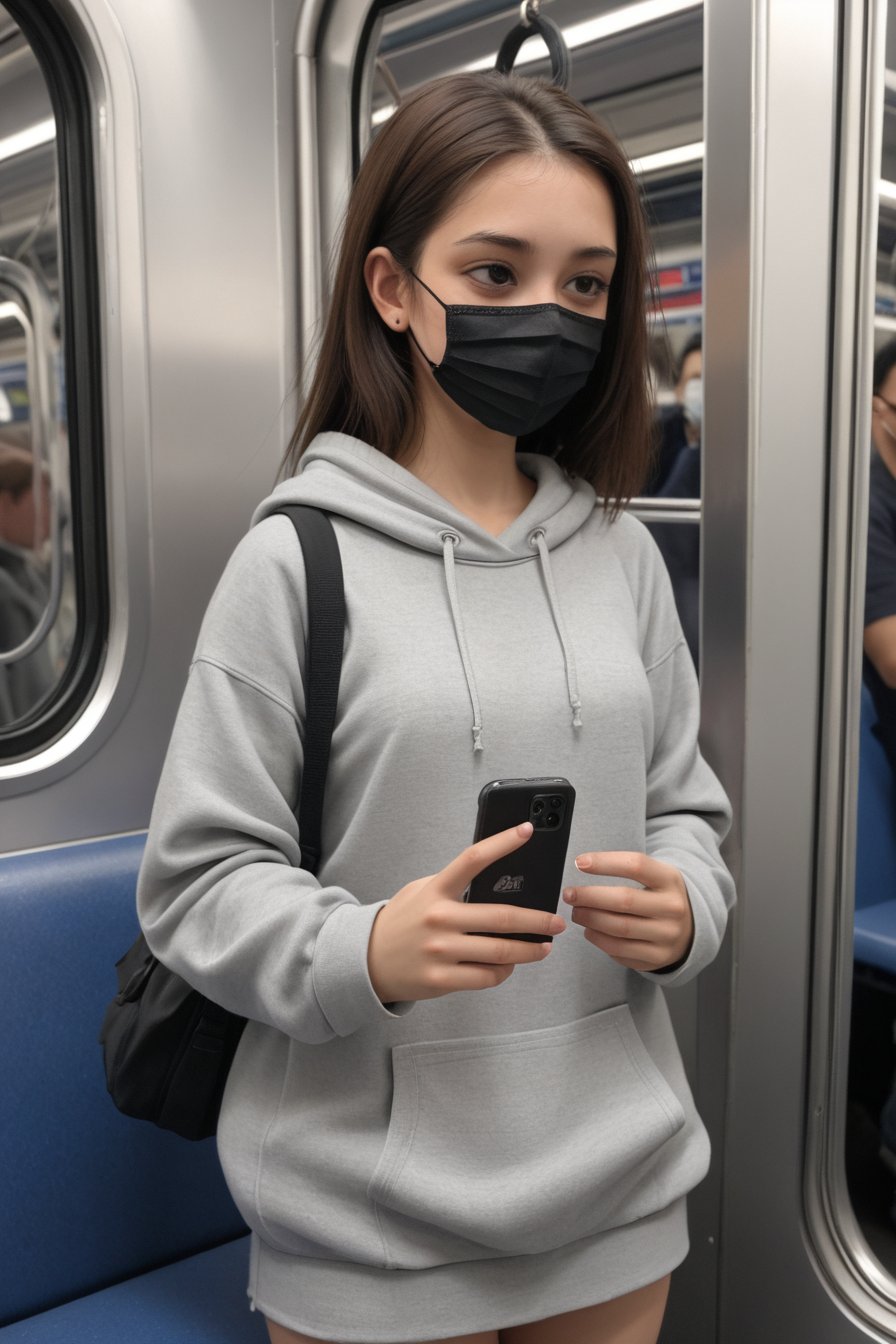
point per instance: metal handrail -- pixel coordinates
(659, 509)
(36, 307)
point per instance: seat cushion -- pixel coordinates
(875, 937)
(88, 1196)
(201, 1300)
(876, 821)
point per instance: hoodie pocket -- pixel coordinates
(521, 1143)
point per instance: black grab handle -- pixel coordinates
(532, 22)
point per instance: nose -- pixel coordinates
(537, 289)
(546, 293)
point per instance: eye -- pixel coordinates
(589, 286)
(495, 273)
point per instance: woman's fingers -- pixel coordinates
(459, 873)
(634, 902)
(426, 941)
(628, 863)
(505, 919)
(623, 954)
(646, 927)
(497, 918)
(475, 976)
(640, 956)
(499, 951)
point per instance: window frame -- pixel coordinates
(68, 87)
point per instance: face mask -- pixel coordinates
(514, 368)
(693, 402)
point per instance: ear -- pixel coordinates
(387, 287)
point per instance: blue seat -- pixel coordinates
(201, 1300)
(90, 1198)
(875, 890)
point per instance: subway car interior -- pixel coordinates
(172, 179)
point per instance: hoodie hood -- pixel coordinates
(351, 479)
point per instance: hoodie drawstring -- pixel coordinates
(449, 540)
(572, 681)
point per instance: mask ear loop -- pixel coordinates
(532, 22)
(410, 328)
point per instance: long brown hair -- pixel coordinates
(419, 162)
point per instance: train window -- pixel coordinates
(640, 70)
(51, 582)
(871, 1110)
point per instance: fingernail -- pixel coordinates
(545, 948)
(525, 828)
(558, 924)
(583, 863)
(569, 896)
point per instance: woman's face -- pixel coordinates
(527, 229)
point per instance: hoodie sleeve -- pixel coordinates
(222, 897)
(688, 812)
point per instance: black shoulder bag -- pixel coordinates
(167, 1049)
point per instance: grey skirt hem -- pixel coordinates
(336, 1300)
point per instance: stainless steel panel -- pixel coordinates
(194, 127)
(771, 186)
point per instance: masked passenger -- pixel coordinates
(433, 1133)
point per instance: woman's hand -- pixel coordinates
(647, 928)
(424, 941)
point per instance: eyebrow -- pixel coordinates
(521, 245)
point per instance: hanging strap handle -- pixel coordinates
(532, 22)
(323, 665)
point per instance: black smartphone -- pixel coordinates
(532, 875)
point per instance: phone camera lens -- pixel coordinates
(537, 807)
(557, 803)
(552, 819)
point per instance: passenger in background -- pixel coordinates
(23, 587)
(680, 542)
(880, 581)
(679, 420)
(879, 664)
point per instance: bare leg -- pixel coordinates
(633, 1319)
(280, 1335)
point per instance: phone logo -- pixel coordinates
(508, 884)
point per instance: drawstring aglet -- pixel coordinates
(477, 736)
(576, 713)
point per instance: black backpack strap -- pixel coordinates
(323, 665)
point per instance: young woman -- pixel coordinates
(434, 1134)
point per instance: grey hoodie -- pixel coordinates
(524, 1149)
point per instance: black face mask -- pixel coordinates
(514, 368)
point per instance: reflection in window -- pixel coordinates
(645, 82)
(37, 591)
(871, 1118)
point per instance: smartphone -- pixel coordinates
(533, 874)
